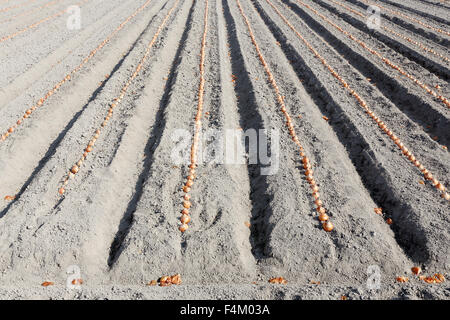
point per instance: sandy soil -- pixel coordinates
(118, 217)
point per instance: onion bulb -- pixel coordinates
(185, 219)
(183, 227)
(328, 226)
(416, 270)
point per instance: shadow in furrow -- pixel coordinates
(250, 118)
(57, 142)
(152, 144)
(408, 232)
(417, 29)
(415, 108)
(439, 70)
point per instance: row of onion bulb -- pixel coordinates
(327, 225)
(382, 126)
(116, 101)
(185, 218)
(13, 7)
(436, 278)
(417, 43)
(24, 13)
(29, 111)
(34, 25)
